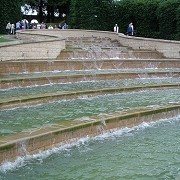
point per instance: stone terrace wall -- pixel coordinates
(170, 49)
(29, 36)
(64, 33)
(47, 44)
(37, 50)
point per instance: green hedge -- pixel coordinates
(10, 12)
(92, 14)
(151, 18)
(169, 21)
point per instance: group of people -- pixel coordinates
(24, 24)
(130, 29)
(45, 26)
(11, 28)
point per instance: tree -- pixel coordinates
(168, 16)
(48, 8)
(92, 14)
(10, 11)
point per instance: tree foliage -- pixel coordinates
(94, 14)
(48, 8)
(151, 18)
(10, 11)
(169, 19)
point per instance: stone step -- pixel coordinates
(29, 66)
(95, 48)
(108, 54)
(44, 138)
(27, 80)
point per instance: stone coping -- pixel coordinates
(19, 42)
(52, 32)
(149, 39)
(93, 33)
(8, 103)
(90, 60)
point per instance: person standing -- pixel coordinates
(18, 25)
(130, 29)
(65, 26)
(13, 29)
(116, 28)
(8, 28)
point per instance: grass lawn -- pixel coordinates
(3, 39)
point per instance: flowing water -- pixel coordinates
(150, 151)
(75, 72)
(77, 86)
(21, 119)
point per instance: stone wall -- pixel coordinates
(170, 49)
(48, 49)
(47, 44)
(64, 33)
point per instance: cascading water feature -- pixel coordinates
(92, 84)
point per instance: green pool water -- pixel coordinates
(22, 119)
(91, 71)
(77, 86)
(146, 152)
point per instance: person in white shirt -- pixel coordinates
(116, 28)
(12, 29)
(8, 28)
(50, 27)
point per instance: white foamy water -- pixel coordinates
(25, 161)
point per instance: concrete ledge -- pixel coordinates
(34, 142)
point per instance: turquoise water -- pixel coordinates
(21, 119)
(91, 71)
(52, 88)
(147, 152)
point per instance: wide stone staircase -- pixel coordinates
(85, 59)
(88, 68)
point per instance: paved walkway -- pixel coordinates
(10, 37)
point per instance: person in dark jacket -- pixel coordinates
(130, 29)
